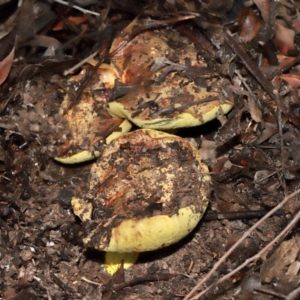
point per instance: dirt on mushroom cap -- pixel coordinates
(173, 99)
(175, 103)
(148, 190)
(88, 121)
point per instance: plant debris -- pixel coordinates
(75, 77)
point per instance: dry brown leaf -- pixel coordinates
(264, 8)
(74, 20)
(255, 112)
(249, 24)
(5, 65)
(296, 24)
(284, 60)
(270, 130)
(282, 258)
(219, 8)
(284, 38)
(292, 79)
(227, 194)
(208, 150)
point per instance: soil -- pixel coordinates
(253, 166)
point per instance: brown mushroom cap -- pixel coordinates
(134, 57)
(89, 123)
(148, 190)
(171, 100)
(174, 104)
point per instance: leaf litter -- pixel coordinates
(246, 52)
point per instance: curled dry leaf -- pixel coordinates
(249, 286)
(5, 65)
(208, 150)
(280, 266)
(8, 25)
(284, 38)
(255, 112)
(249, 24)
(73, 20)
(270, 130)
(47, 42)
(292, 79)
(284, 61)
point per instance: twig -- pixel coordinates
(90, 281)
(71, 70)
(61, 284)
(268, 291)
(267, 176)
(85, 11)
(138, 280)
(39, 280)
(253, 258)
(252, 68)
(279, 114)
(261, 78)
(234, 215)
(7, 126)
(244, 236)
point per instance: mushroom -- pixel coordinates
(172, 101)
(148, 190)
(133, 55)
(90, 125)
(176, 103)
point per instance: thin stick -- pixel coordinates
(71, 70)
(85, 11)
(244, 236)
(260, 77)
(254, 257)
(279, 114)
(90, 281)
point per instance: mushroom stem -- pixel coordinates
(114, 260)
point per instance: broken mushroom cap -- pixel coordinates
(89, 124)
(133, 57)
(173, 100)
(148, 191)
(176, 103)
(135, 52)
